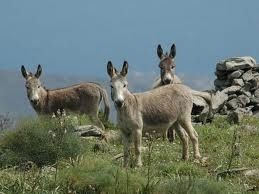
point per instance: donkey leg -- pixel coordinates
(187, 125)
(171, 134)
(137, 144)
(94, 118)
(184, 139)
(126, 139)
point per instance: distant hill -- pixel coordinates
(13, 98)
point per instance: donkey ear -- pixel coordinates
(111, 70)
(173, 51)
(159, 51)
(39, 71)
(24, 72)
(124, 69)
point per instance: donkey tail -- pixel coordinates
(207, 96)
(106, 103)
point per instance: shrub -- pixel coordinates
(96, 175)
(42, 141)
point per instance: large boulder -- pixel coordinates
(247, 76)
(218, 100)
(236, 74)
(236, 63)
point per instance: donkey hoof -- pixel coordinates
(139, 164)
(185, 158)
(197, 156)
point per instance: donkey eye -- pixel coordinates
(124, 85)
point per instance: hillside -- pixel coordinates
(63, 163)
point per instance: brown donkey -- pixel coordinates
(83, 98)
(167, 76)
(160, 108)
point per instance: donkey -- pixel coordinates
(167, 76)
(83, 98)
(161, 108)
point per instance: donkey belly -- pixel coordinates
(158, 121)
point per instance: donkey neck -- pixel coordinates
(129, 101)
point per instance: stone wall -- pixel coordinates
(238, 78)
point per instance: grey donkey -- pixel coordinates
(160, 108)
(83, 98)
(167, 76)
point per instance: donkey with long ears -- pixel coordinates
(167, 76)
(83, 98)
(160, 108)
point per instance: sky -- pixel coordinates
(79, 37)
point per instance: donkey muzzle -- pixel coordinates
(167, 81)
(118, 103)
(35, 102)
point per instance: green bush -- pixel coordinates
(96, 175)
(42, 141)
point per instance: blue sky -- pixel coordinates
(79, 37)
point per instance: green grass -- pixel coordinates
(87, 171)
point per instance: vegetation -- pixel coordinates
(64, 163)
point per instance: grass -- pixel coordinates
(163, 171)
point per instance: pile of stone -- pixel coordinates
(238, 79)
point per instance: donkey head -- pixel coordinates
(32, 84)
(119, 84)
(166, 64)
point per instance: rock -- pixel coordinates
(222, 83)
(238, 82)
(247, 76)
(231, 89)
(256, 93)
(221, 75)
(236, 74)
(248, 94)
(243, 99)
(224, 110)
(256, 113)
(255, 83)
(247, 87)
(230, 97)
(236, 63)
(256, 68)
(89, 130)
(233, 104)
(235, 117)
(218, 100)
(254, 100)
(247, 110)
